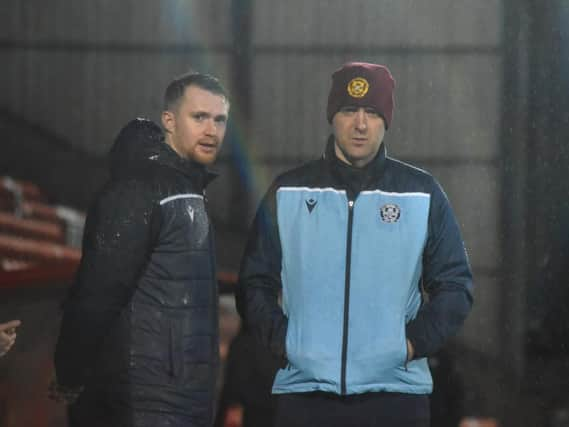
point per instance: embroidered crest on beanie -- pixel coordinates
(362, 84)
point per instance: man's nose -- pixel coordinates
(361, 120)
(210, 128)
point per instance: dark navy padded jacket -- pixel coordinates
(140, 327)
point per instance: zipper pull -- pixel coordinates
(351, 204)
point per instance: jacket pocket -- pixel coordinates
(405, 351)
(406, 360)
(288, 348)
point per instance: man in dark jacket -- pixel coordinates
(139, 337)
(371, 265)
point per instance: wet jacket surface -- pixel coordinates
(352, 251)
(140, 327)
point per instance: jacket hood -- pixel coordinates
(140, 145)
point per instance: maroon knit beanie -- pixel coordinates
(363, 85)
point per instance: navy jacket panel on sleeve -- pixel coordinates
(260, 281)
(447, 279)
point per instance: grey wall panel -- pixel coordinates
(378, 22)
(446, 105)
(87, 96)
(12, 79)
(263, 175)
(126, 21)
(289, 105)
(220, 192)
(482, 328)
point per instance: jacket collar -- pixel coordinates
(346, 174)
(192, 169)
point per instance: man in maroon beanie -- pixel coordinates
(354, 241)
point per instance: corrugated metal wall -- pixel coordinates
(83, 68)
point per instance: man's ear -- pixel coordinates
(168, 121)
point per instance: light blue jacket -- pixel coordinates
(352, 267)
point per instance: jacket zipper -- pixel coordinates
(347, 296)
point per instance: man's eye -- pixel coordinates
(199, 117)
